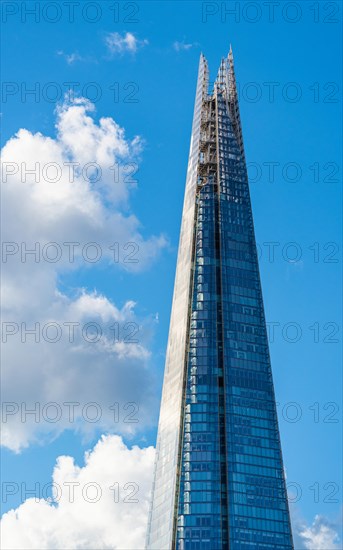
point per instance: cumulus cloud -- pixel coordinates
(83, 369)
(101, 505)
(76, 185)
(321, 534)
(120, 43)
(73, 211)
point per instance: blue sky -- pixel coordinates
(147, 85)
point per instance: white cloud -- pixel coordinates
(320, 535)
(104, 524)
(75, 383)
(120, 43)
(72, 58)
(79, 209)
(183, 46)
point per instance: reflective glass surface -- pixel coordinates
(162, 517)
(219, 481)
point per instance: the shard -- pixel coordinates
(219, 478)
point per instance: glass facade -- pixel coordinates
(219, 481)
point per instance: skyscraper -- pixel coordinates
(219, 481)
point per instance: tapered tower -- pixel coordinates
(219, 480)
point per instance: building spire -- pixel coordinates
(203, 74)
(233, 101)
(220, 81)
(232, 77)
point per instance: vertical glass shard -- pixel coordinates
(219, 481)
